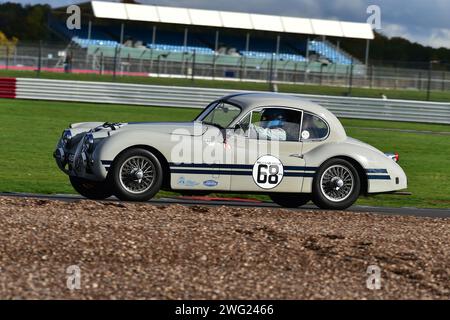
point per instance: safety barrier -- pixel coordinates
(192, 97)
(7, 88)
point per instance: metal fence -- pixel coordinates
(149, 95)
(125, 61)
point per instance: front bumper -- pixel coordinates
(74, 164)
(77, 162)
(61, 159)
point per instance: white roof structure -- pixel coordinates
(206, 18)
(266, 22)
(173, 15)
(111, 10)
(297, 25)
(137, 12)
(237, 20)
(327, 28)
(227, 19)
(356, 30)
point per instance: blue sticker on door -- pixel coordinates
(210, 183)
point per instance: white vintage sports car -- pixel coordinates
(288, 148)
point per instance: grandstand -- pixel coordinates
(218, 38)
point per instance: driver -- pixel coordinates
(271, 125)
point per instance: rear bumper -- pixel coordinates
(391, 180)
(394, 193)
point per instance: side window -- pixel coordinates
(274, 124)
(313, 128)
(243, 125)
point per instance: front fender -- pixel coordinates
(110, 147)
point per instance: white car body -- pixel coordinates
(299, 160)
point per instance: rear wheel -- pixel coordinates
(136, 175)
(94, 190)
(336, 186)
(290, 200)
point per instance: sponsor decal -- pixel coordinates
(182, 181)
(267, 172)
(210, 183)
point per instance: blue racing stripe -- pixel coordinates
(199, 171)
(301, 168)
(376, 171)
(379, 177)
(234, 166)
(237, 173)
(299, 174)
(211, 166)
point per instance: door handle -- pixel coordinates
(296, 155)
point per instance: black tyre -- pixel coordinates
(336, 185)
(136, 175)
(290, 200)
(91, 189)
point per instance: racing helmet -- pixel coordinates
(273, 118)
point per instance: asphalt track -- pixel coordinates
(214, 202)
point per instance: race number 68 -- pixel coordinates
(267, 172)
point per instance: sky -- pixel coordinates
(423, 21)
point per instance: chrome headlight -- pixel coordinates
(88, 142)
(66, 137)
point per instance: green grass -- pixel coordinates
(441, 96)
(30, 129)
(396, 125)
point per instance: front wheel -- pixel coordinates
(94, 190)
(290, 200)
(336, 185)
(136, 175)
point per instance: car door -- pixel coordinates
(314, 133)
(199, 161)
(264, 163)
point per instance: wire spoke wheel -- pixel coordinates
(337, 183)
(137, 174)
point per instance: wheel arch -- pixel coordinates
(162, 159)
(359, 168)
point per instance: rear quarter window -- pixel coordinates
(313, 128)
